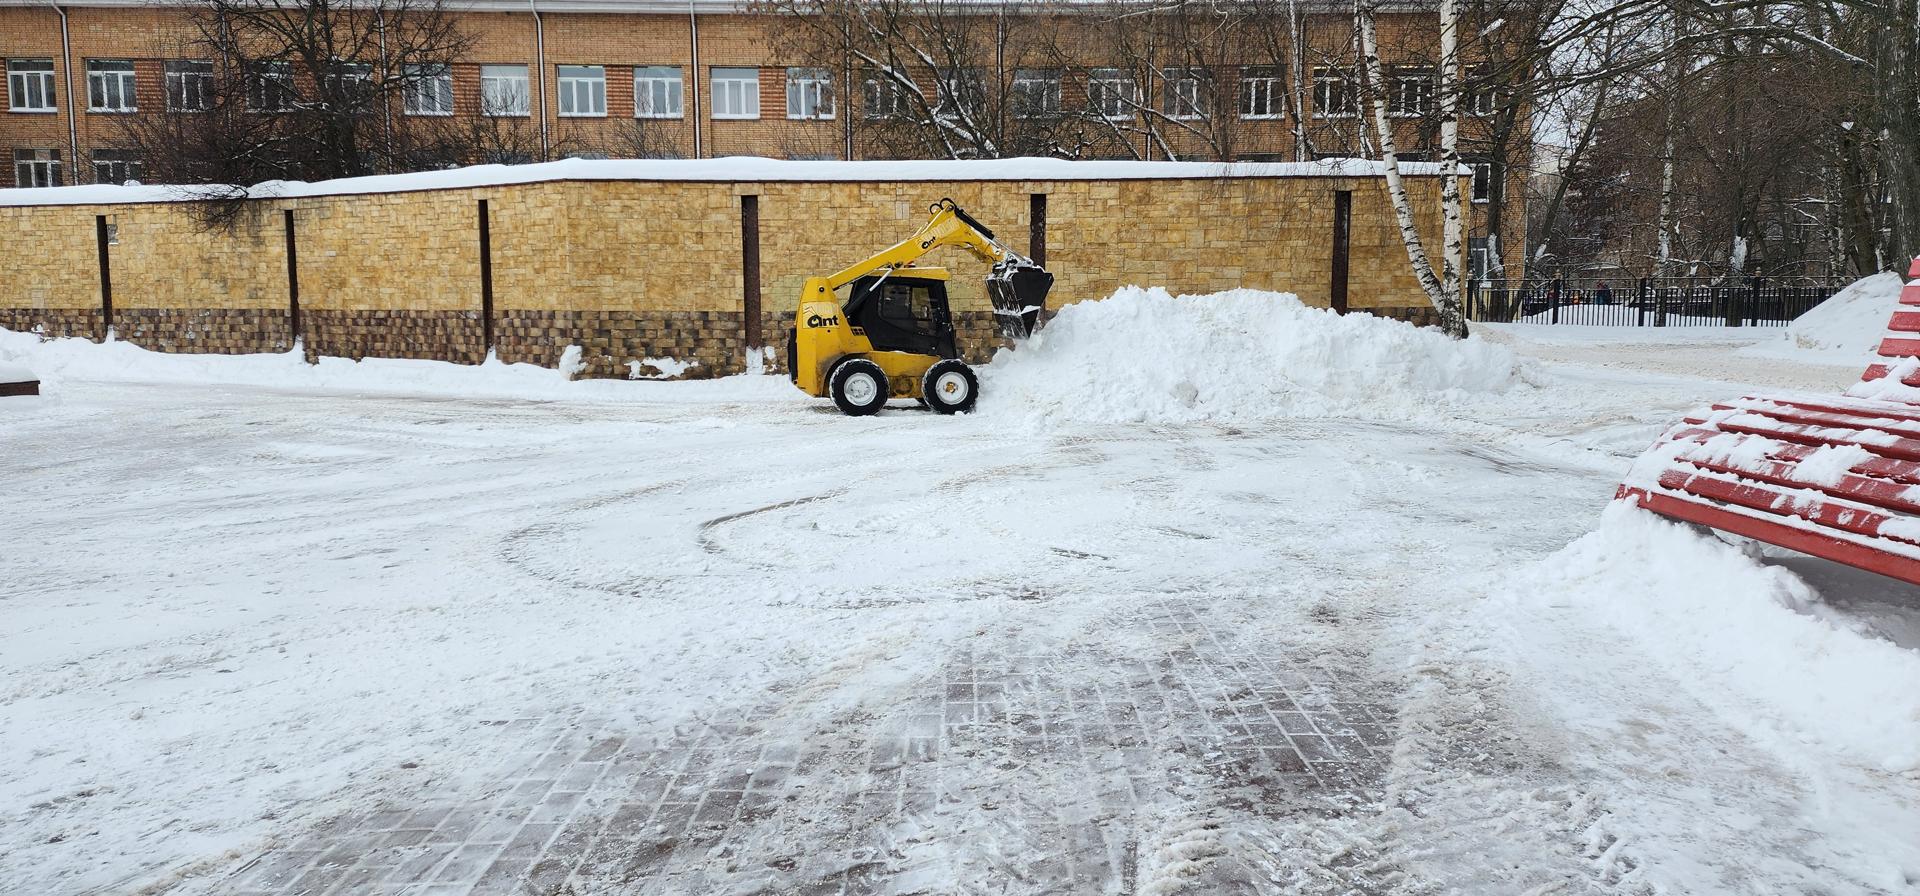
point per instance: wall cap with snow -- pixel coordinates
(737, 169)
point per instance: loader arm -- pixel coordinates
(949, 226)
(1016, 286)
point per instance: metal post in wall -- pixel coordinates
(750, 272)
(106, 277)
(1037, 228)
(294, 324)
(486, 282)
(1342, 234)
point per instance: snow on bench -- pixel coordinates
(1833, 476)
(17, 380)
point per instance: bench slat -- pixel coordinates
(1824, 510)
(1905, 472)
(1840, 550)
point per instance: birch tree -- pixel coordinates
(1441, 287)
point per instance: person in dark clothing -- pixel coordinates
(1602, 293)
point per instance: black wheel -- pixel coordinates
(859, 387)
(949, 387)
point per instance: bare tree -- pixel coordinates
(305, 89)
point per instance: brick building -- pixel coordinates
(706, 78)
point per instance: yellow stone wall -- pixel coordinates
(51, 259)
(414, 251)
(668, 248)
(166, 259)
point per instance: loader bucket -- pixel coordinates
(1019, 294)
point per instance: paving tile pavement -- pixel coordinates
(1025, 767)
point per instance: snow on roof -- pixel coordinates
(738, 169)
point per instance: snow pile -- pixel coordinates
(1851, 322)
(62, 360)
(14, 373)
(1747, 637)
(730, 168)
(1143, 355)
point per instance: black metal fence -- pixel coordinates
(1648, 301)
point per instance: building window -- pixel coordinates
(658, 92)
(1482, 94)
(351, 83)
(736, 93)
(1189, 91)
(189, 86)
(1484, 182)
(1260, 157)
(270, 87)
(429, 90)
(583, 91)
(36, 167)
(809, 93)
(115, 166)
(110, 86)
(1263, 92)
(1036, 92)
(1478, 257)
(30, 85)
(883, 97)
(1112, 93)
(504, 90)
(1332, 94)
(962, 91)
(1411, 95)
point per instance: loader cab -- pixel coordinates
(904, 311)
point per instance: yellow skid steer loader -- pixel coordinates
(894, 335)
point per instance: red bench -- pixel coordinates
(1832, 476)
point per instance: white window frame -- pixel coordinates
(585, 84)
(353, 78)
(1188, 93)
(1331, 84)
(964, 87)
(428, 91)
(111, 89)
(129, 165)
(735, 93)
(189, 79)
(883, 98)
(1484, 99)
(810, 94)
(509, 82)
(659, 91)
(1484, 183)
(260, 75)
(1043, 84)
(36, 167)
(1263, 87)
(1412, 94)
(26, 81)
(1113, 86)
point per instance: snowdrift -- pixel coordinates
(1753, 640)
(70, 359)
(1851, 322)
(1143, 355)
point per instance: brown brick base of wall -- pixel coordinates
(431, 335)
(225, 331)
(611, 340)
(81, 322)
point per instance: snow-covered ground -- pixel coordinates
(1212, 595)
